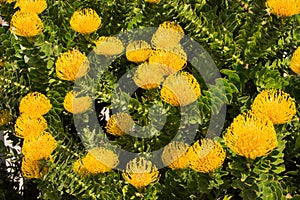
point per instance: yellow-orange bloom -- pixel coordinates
(5, 117)
(138, 51)
(295, 62)
(71, 65)
(119, 124)
(85, 21)
(172, 26)
(78, 167)
(152, 1)
(140, 172)
(276, 105)
(167, 35)
(100, 160)
(251, 135)
(2, 63)
(180, 89)
(76, 104)
(174, 58)
(28, 127)
(207, 156)
(26, 24)
(33, 169)
(109, 46)
(284, 8)
(35, 104)
(149, 76)
(36, 6)
(174, 155)
(40, 147)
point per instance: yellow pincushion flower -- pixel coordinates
(174, 58)
(180, 89)
(5, 117)
(33, 169)
(2, 63)
(100, 160)
(78, 167)
(40, 147)
(207, 156)
(174, 155)
(149, 76)
(28, 127)
(277, 105)
(36, 6)
(71, 65)
(35, 104)
(295, 62)
(140, 172)
(251, 135)
(172, 26)
(119, 124)
(26, 24)
(284, 8)
(138, 51)
(85, 21)
(76, 104)
(152, 1)
(109, 46)
(167, 35)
